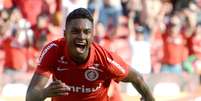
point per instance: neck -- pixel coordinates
(81, 58)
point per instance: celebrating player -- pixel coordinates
(81, 69)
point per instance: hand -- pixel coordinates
(147, 98)
(142, 99)
(56, 88)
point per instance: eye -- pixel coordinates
(74, 31)
(87, 31)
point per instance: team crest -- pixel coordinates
(91, 74)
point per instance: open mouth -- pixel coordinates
(80, 47)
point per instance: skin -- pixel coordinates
(80, 30)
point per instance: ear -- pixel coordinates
(65, 33)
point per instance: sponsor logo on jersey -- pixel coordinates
(61, 69)
(83, 89)
(61, 60)
(91, 74)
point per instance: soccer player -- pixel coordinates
(81, 69)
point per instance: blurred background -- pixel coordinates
(161, 39)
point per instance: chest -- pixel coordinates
(174, 40)
(82, 79)
(79, 74)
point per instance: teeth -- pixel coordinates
(80, 43)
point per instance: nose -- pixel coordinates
(81, 35)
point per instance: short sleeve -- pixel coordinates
(117, 68)
(47, 59)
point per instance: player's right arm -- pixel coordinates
(38, 92)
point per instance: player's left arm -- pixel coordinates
(138, 82)
(119, 70)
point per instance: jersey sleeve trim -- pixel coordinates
(117, 65)
(46, 74)
(44, 52)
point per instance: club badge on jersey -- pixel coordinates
(91, 74)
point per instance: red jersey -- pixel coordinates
(88, 81)
(194, 45)
(174, 49)
(15, 54)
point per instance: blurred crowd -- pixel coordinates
(25, 27)
(153, 36)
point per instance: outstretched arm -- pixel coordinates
(137, 81)
(38, 92)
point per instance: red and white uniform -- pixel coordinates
(88, 81)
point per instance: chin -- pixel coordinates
(80, 59)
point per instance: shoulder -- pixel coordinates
(102, 52)
(99, 49)
(55, 43)
(53, 46)
(51, 50)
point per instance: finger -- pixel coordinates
(142, 99)
(54, 78)
(59, 85)
(52, 94)
(61, 94)
(58, 82)
(60, 90)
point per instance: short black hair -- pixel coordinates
(79, 13)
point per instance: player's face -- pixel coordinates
(79, 35)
